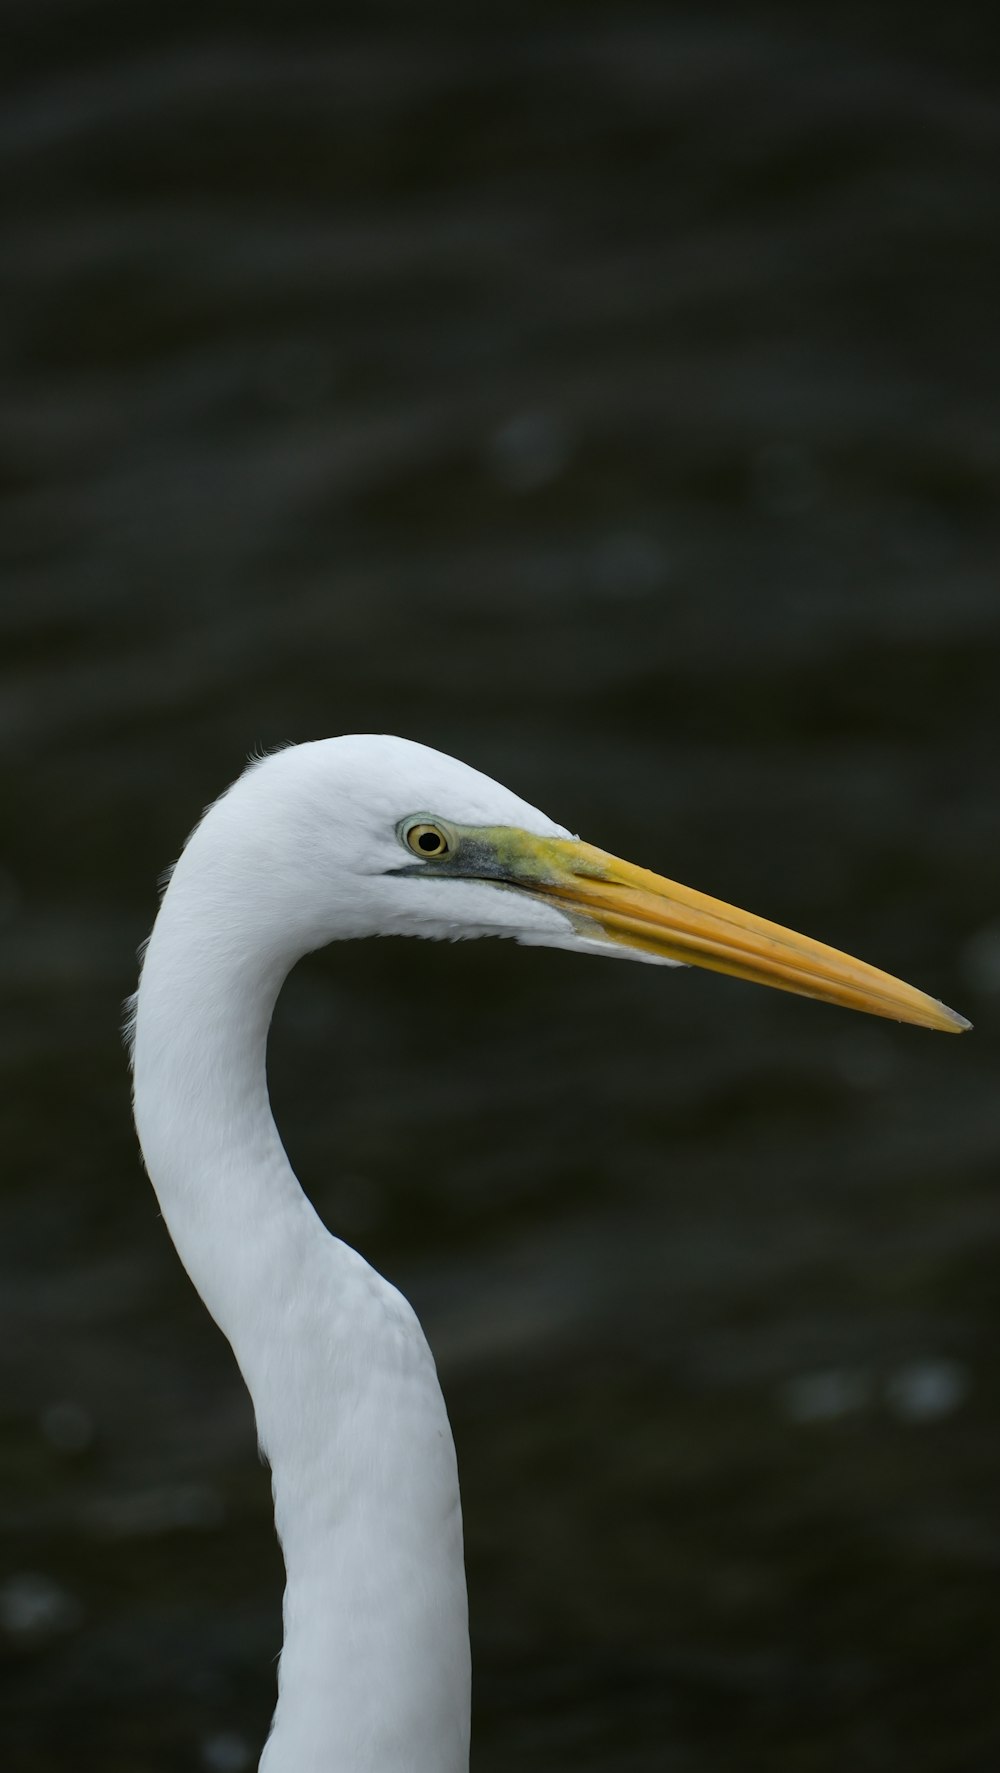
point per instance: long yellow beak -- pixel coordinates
(658, 917)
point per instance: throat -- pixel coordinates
(203, 1115)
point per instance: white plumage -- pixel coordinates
(316, 843)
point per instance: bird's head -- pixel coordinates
(371, 835)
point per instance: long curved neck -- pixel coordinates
(374, 1674)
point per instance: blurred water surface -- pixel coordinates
(607, 396)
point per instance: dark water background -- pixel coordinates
(609, 396)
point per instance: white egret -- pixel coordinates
(365, 836)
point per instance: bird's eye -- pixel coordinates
(426, 839)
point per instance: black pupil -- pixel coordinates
(429, 842)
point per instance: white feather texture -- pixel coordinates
(301, 851)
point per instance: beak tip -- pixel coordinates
(945, 1020)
